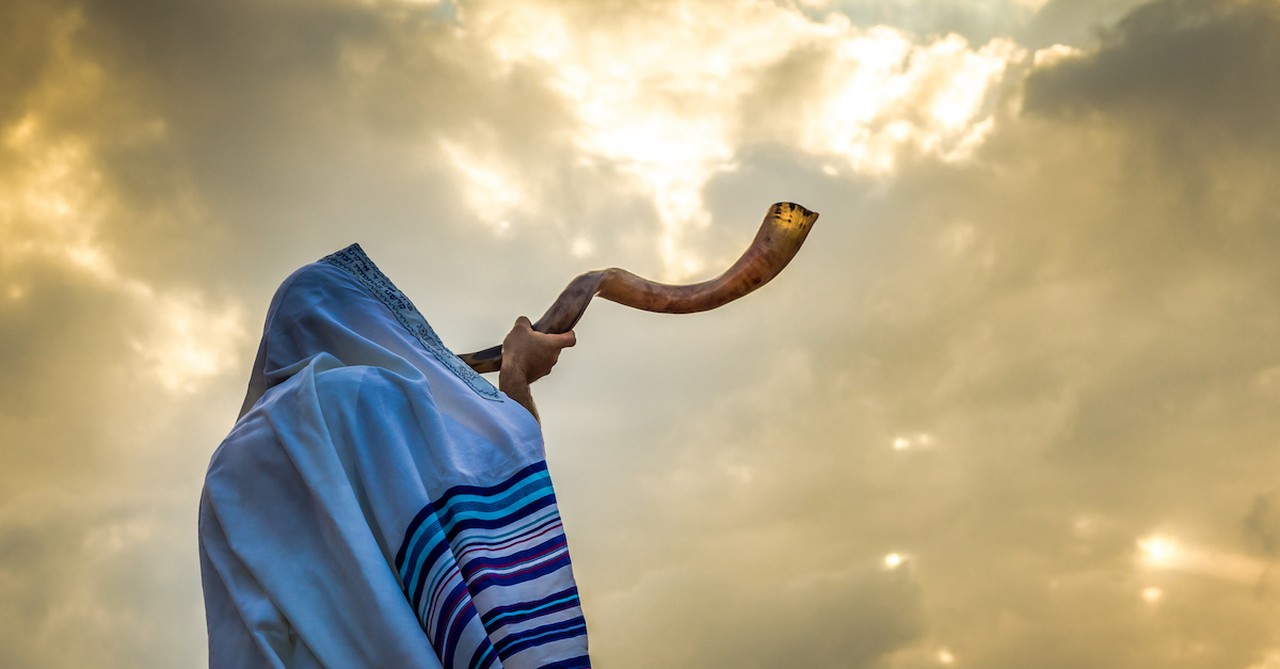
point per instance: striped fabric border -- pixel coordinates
(486, 569)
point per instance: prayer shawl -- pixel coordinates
(378, 503)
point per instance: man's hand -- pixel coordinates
(528, 356)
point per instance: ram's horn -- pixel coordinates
(783, 231)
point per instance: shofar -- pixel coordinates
(783, 231)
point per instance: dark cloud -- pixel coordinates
(1075, 22)
(1262, 527)
(1187, 68)
(28, 39)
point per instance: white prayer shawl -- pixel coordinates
(379, 504)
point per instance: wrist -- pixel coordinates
(512, 376)
(515, 384)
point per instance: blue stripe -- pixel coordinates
(426, 541)
(499, 617)
(489, 521)
(429, 559)
(484, 656)
(485, 581)
(443, 573)
(539, 482)
(513, 560)
(439, 509)
(413, 557)
(498, 523)
(493, 490)
(465, 544)
(422, 538)
(580, 662)
(538, 636)
(422, 558)
(503, 512)
(411, 531)
(447, 605)
(455, 630)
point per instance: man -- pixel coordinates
(380, 504)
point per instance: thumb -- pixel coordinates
(564, 339)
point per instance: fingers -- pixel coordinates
(529, 355)
(561, 340)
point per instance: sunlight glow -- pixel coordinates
(1161, 552)
(1152, 595)
(664, 96)
(1054, 54)
(1158, 551)
(191, 341)
(1271, 661)
(945, 657)
(582, 248)
(894, 560)
(51, 211)
(492, 191)
(922, 440)
(654, 109)
(892, 94)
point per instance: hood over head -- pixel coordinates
(345, 308)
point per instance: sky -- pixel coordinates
(1013, 404)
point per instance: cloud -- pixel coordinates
(702, 615)
(82, 306)
(1188, 70)
(1262, 527)
(1045, 264)
(88, 576)
(673, 115)
(975, 20)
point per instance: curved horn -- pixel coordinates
(783, 231)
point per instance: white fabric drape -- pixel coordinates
(378, 504)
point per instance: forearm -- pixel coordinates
(516, 386)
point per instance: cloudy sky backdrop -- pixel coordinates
(1014, 405)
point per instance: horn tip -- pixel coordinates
(784, 208)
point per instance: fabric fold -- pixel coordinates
(377, 506)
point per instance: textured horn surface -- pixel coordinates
(783, 231)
